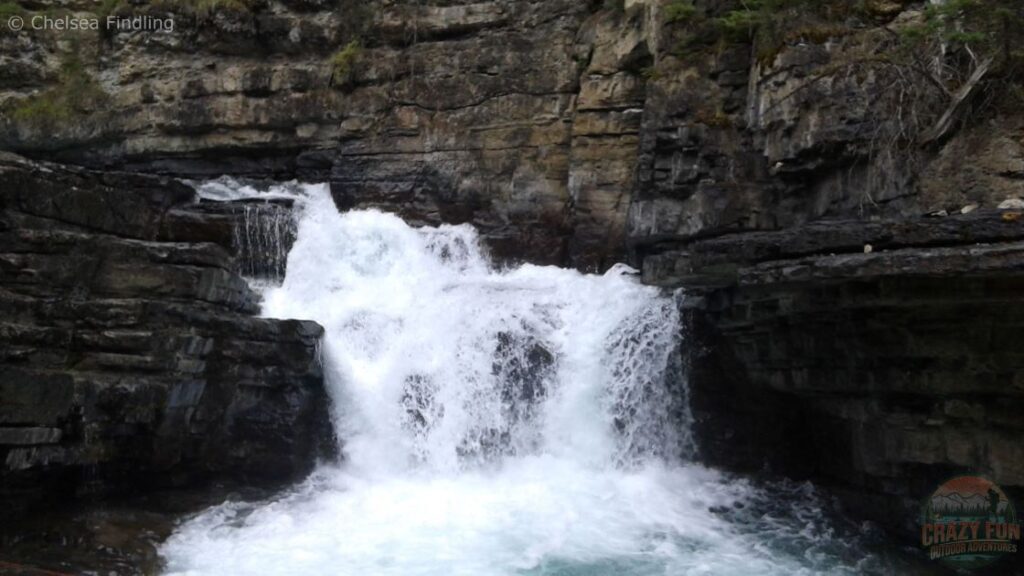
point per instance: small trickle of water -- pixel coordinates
(531, 421)
(263, 236)
(264, 226)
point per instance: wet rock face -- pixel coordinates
(839, 332)
(880, 372)
(127, 359)
(260, 232)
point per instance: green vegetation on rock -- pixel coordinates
(982, 29)
(110, 7)
(680, 10)
(76, 93)
(8, 9)
(615, 5)
(343, 63)
(768, 24)
(928, 68)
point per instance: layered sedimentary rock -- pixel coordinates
(130, 355)
(584, 132)
(879, 371)
(521, 117)
(848, 328)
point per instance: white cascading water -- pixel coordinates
(495, 422)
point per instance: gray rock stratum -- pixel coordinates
(130, 357)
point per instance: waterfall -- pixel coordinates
(529, 420)
(263, 226)
(262, 236)
(436, 360)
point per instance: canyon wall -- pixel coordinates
(521, 117)
(130, 354)
(851, 300)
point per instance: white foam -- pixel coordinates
(526, 421)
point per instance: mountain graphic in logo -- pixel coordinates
(956, 503)
(968, 522)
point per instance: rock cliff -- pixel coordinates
(520, 116)
(130, 356)
(852, 275)
(799, 188)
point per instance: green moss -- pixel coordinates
(992, 27)
(615, 5)
(75, 94)
(43, 109)
(771, 24)
(742, 24)
(768, 24)
(8, 9)
(343, 63)
(680, 11)
(110, 8)
(651, 73)
(716, 118)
